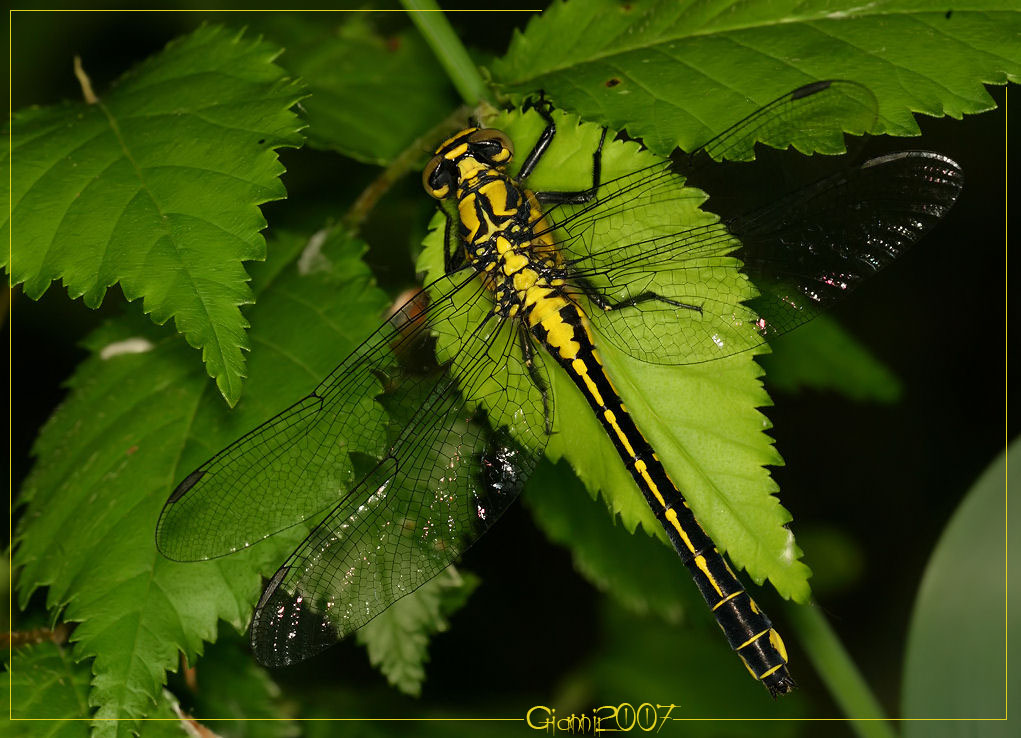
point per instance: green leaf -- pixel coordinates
(956, 663)
(398, 638)
(138, 418)
(822, 356)
(156, 187)
(49, 697)
(676, 72)
(639, 662)
(641, 573)
(701, 418)
(838, 559)
(238, 693)
(45, 683)
(371, 96)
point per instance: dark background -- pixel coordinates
(887, 477)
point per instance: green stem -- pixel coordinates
(845, 683)
(436, 30)
(412, 155)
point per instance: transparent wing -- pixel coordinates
(802, 253)
(813, 248)
(408, 451)
(448, 475)
(304, 453)
(304, 460)
(666, 274)
(812, 118)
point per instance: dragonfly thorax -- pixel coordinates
(505, 237)
(519, 277)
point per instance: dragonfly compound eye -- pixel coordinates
(437, 178)
(491, 145)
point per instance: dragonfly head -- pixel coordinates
(463, 156)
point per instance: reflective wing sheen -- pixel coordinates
(810, 250)
(405, 466)
(671, 287)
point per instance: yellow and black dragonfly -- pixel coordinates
(417, 442)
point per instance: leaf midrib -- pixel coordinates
(168, 233)
(703, 32)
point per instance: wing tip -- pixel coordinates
(162, 542)
(186, 484)
(810, 89)
(284, 629)
(914, 154)
(271, 588)
(938, 171)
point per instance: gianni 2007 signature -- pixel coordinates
(622, 718)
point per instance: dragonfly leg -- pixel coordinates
(528, 352)
(646, 297)
(543, 107)
(453, 257)
(580, 196)
(603, 304)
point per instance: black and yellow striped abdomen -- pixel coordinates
(563, 330)
(507, 239)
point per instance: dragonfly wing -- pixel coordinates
(309, 457)
(676, 299)
(810, 119)
(803, 252)
(644, 234)
(810, 250)
(449, 474)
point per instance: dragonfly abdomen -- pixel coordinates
(565, 334)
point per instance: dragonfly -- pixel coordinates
(423, 436)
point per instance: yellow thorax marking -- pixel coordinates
(525, 279)
(470, 219)
(459, 134)
(456, 151)
(469, 168)
(514, 262)
(496, 192)
(466, 210)
(544, 239)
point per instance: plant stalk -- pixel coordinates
(845, 683)
(412, 155)
(436, 29)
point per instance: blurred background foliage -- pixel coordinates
(871, 479)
